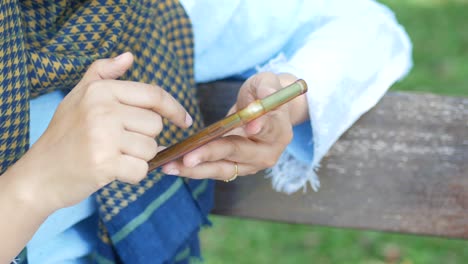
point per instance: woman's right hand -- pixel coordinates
(103, 130)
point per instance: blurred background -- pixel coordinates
(439, 31)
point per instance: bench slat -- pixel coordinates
(402, 167)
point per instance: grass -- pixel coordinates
(440, 44)
(246, 241)
(439, 31)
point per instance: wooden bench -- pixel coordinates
(402, 167)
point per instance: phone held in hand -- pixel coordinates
(218, 129)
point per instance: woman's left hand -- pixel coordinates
(254, 147)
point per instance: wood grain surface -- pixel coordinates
(402, 167)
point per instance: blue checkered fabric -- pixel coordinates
(48, 45)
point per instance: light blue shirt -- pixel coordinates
(349, 52)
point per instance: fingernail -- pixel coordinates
(188, 119)
(173, 171)
(161, 148)
(257, 130)
(119, 56)
(254, 129)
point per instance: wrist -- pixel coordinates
(22, 209)
(23, 184)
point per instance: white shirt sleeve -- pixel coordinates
(349, 52)
(349, 62)
(232, 36)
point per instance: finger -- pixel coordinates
(219, 170)
(236, 149)
(131, 170)
(237, 132)
(138, 145)
(274, 127)
(286, 79)
(111, 68)
(150, 97)
(255, 126)
(141, 120)
(232, 110)
(161, 148)
(256, 87)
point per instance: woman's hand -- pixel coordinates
(103, 131)
(254, 147)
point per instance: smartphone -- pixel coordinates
(219, 128)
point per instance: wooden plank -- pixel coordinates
(402, 167)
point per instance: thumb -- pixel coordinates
(111, 68)
(257, 87)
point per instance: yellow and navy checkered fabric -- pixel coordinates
(48, 45)
(14, 86)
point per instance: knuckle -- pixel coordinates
(233, 148)
(96, 65)
(95, 85)
(94, 159)
(256, 79)
(97, 159)
(105, 178)
(99, 62)
(269, 75)
(93, 91)
(139, 172)
(221, 171)
(205, 153)
(142, 170)
(99, 141)
(269, 162)
(157, 125)
(287, 136)
(254, 171)
(156, 94)
(94, 117)
(101, 170)
(260, 77)
(133, 180)
(95, 104)
(152, 149)
(269, 130)
(99, 91)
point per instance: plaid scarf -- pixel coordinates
(48, 45)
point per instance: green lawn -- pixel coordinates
(439, 31)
